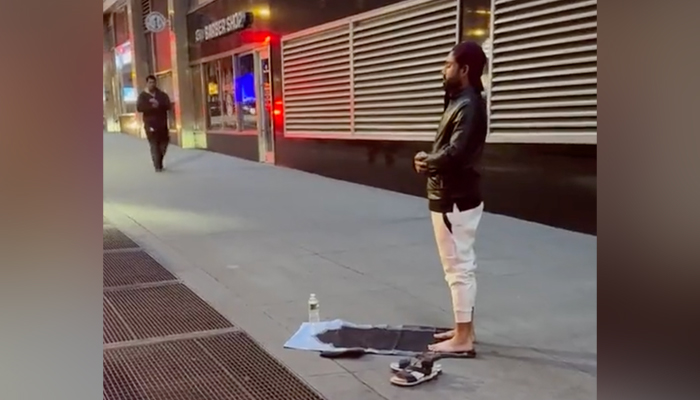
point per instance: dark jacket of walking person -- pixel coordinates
(154, 104)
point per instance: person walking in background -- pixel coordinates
(154, 104)
(453, 189)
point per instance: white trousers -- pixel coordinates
(455, 233)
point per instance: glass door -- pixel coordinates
(247, 93)
(266, 139)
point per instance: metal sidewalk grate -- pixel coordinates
(117, 381)
(132, 268)
(113, 239)
(179, 370)
(258, 372)
(113, 329)
(165, 310)
(230, 366)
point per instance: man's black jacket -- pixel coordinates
(453, 178)
(155, 118)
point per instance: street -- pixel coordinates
(255, 240)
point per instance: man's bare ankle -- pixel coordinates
(463, 332)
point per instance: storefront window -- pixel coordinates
(230, 93)
(245, 92)
(228, 103)
(125, 78)
(220, 89)
(212, 90)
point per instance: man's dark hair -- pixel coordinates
(151, 78)
(471, 54)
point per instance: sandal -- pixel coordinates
(421, 371)
(406, 362)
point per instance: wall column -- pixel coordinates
(183, 86)
(108, 76)
(139, 49)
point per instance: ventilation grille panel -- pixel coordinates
(544, 72)
(145, 10)
(316, 75)
(397, 59)
(371, 75)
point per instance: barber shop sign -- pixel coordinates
(233, 23)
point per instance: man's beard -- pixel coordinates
(450, 86)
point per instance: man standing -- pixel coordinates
(154, 104)
(453, 189)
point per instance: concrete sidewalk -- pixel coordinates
(254, 240)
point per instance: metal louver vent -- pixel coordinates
(316, 75)
(375, 74)
(397, 62)
(544, 71)
(145, 10)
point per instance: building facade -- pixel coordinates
(351, 89)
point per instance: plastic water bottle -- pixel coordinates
(314, 312)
